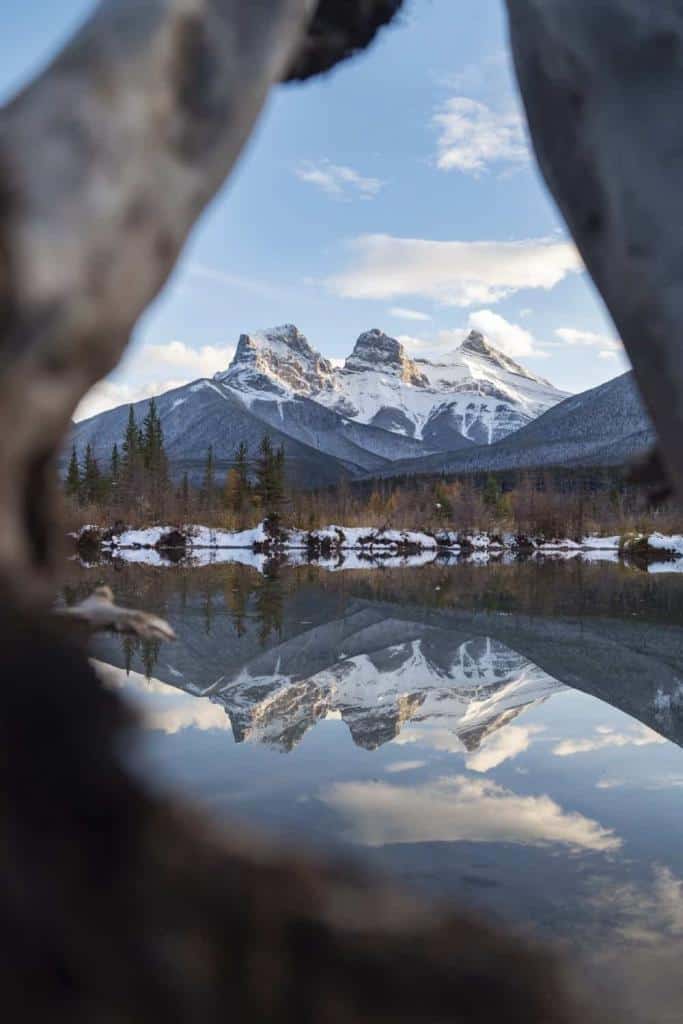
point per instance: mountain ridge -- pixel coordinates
(382, 413)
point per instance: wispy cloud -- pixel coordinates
(508, 337)
(504, 745)
(173, 365)
(512, 339)
(605, 737)
(452, 273)
(337, 181)
(473, 137)
(226, 279)
(451, 809)
(408, 314)
(609, 347)
(108, 394)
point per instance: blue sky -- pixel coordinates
(396, 192)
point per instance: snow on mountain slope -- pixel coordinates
(476, 392)
(380, 407)
(480, 687)
(607, 425)
(276, 364)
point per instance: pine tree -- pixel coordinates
(242, 465)
(130, 441)
(92, 480)
(208, 491)
(237, 488)
(154, 457)
(184, 496)
(270, 468)
(73, 477)
(115, 465)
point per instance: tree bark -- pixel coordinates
(603, 88)
(106, 162)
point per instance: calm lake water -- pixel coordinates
(506, 737)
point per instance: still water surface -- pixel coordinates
(505, 737)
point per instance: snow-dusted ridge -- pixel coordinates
(474, 392)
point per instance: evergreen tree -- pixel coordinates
(115, 465)
(130, 441)
(492, 494)
(73, 477)
(154, 457)
(208, 491)
(184, 496)
(131, 472)
(242, 465)
(237, 488)
(92, 480)
(270, 469)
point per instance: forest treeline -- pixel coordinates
(136, 487)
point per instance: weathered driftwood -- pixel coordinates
(98, 613)
(603, 87)
(106, 162)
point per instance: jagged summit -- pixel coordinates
(277, 361)
(476, 342)
(375, 350)
(476, 393)
(381, 406)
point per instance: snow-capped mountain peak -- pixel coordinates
(477, 346)
(277, 362)
(476, 393)
(375, 350)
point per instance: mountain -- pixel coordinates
(607, 425)
(475, 392)
(384, 413)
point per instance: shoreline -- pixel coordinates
(365, 547)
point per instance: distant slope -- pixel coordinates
(607, 425)
(321, 446)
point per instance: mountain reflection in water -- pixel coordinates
(504, 736)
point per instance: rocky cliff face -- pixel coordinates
(376, 351)
(279, 361)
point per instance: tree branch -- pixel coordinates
(98, 613)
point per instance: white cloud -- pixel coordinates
(164, 708)
(408, 314)
(509, 338)
(605, 737)
(474, 137)
(175, 358)
(404, 766)
(644, 914)
(108, 394)
(609, 347)
(504, 745)
(452, 273)
(462, 808)
(197, 362)
(338, 181)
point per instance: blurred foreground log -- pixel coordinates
(602, 83)
(119, 905)
(106, 162)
